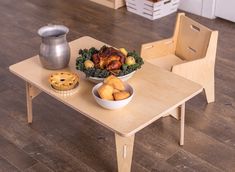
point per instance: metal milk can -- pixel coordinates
(54, 49)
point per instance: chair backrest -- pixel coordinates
(192, 39)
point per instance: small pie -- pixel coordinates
(63, 81)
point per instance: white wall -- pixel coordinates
(225, 9)
(203, 8)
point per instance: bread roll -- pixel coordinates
(106, 92)
(115, 90)
(115, 82)
(121, 95)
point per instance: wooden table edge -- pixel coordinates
(161, 114)
(128, 134)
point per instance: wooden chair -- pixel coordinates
(189, 53)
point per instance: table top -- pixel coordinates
(157, 92)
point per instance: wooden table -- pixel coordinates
(157, 93)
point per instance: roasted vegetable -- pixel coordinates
(130, 60)
(89, 64)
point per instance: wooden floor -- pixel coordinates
(62, 140)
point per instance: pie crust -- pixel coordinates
(63, 81)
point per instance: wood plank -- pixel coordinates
(186, 162)
(111, 3)
(202, 145)
(150, 160)
(36, 146)
(55, 158)
(39, 167)
(17, 157)
(124, 151)
(214, 128)
(6, 166)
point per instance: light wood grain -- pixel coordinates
(29, 100)
(167, 62)
(111, 3)
(124, 150)
(189, 53)
(192, 39)
(163, 91)
(157, 49)
(175, 113)
(31, 93)
(182, 122)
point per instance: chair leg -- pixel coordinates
(210, 92)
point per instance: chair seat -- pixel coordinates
(166, 62)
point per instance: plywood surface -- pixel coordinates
(156, 92)
(111, 3)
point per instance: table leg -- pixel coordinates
(124, 150)
(31, 93)
(175, 113)
(182, 122)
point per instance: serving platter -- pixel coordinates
(97, 80)
(98, 64)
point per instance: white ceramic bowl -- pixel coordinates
(99, 80)
(112, 105)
